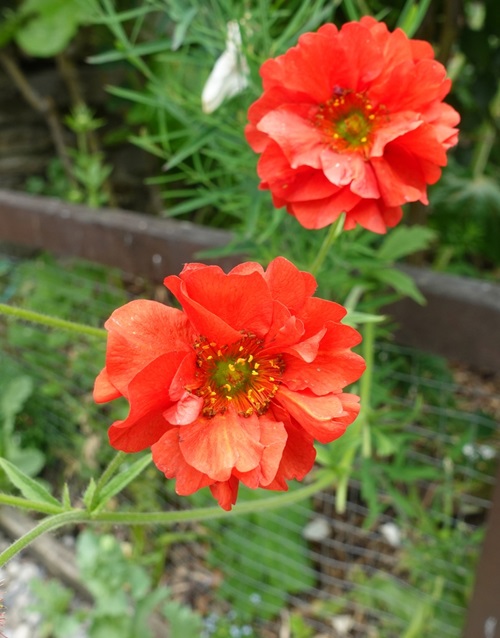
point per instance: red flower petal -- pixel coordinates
(320, 416)
(288, 284)
(149, 398)
(168, 459)
(104, 390)
(220, 305)
(298, 456)
(273, 437)
(226, 493)
(139, 332)
(219, 445)
(334, 367)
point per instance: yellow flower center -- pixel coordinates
(348, 121)
(236, 375)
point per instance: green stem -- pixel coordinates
(51, 322)
(204, 513)
(46, 525)
(332, 234)
(34, 506)
(366, 386)
(163, 518)
(114, 464)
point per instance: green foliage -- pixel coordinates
(124, 598)
(29, 488)
(14, 393)
(62, 367)
(39, 18)
(263, 557)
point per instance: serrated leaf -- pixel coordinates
(29, 488)
(404, 241)
(89, 493)
(59, 18)
(14, 396)
(401, 282)
(27, 460)
(66, 498)
(120, 482)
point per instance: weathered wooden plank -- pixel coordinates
(483, 618)
(460, 321)
(135, 243)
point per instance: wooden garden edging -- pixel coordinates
(460, 321)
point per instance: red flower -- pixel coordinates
(238, 385)
(352, 121)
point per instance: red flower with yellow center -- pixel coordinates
(353, 121)
(239, 384)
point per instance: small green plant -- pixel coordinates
(124, 598)
(13, 396)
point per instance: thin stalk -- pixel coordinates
(112, 467)
(366, 386)
(26, 504)
(162, 518)
(205, 513)
(332, 234)
(46, 525)
(51, 322)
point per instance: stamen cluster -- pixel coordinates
(349, 121)
(236, 375)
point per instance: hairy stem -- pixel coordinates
(332, 234)
(52, 322)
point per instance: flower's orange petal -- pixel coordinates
(225, 442)
(334, 367)
(184, 377)
(350, 169)
(168, 459)
(298, 456)
(220, 305)
(289, 285)
(359, 60)
(284, 331)
(373, 215)
(139, 332)
(268, 102)
(291, 127)
(317, 312)
(317, 415)
(320, 213)
(273, 437)
(226, 492)
(185, 410)
(308, 185)
(246, 268)
(307, 349)
(148, 393)
(444, 119)
(307, 67)
(397, 125)
(104, 390)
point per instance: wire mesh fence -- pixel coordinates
(397, 561)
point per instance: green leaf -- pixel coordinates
(147, 48)
(401, 282)
(89, 493)
(66, 498)
(120, 482)
(182, 27)
(51, 28)
(404, 241)
(29, 488)
(27, 460)
(14, 396)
